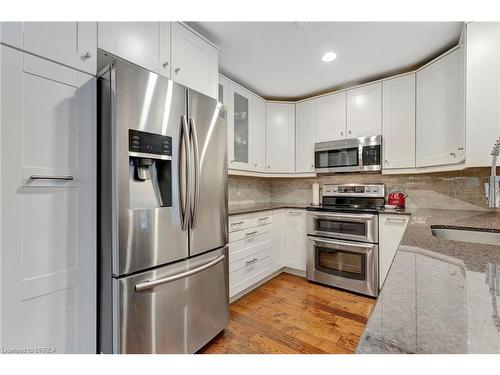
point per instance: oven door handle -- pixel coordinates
(347, 217)
(344, 245)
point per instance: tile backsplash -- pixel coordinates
(461, 190)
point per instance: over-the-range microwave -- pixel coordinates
(349, 155)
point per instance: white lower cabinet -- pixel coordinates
(48, 200)
(263, 243)
(391, 230)
(295, 239)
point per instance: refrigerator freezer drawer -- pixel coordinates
(174, 309)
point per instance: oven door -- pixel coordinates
(348, 265)
(348, 226)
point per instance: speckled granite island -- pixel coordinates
(440, 296)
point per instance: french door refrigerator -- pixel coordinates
(163, 256)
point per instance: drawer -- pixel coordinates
(247, 234)
(248, 246)
(235, 265)
(247, 276)
(241, 222)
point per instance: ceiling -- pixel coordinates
(282, 60)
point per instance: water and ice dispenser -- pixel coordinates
(150, 169)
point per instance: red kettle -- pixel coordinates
(397, 197)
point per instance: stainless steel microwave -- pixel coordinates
(349, 155)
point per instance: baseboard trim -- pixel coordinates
(265, 280)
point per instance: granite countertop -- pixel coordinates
(256, 207)
(440, 296)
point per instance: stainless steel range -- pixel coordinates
(342, 233)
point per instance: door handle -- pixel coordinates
(396, 220)
(58, 178)
(196, 204)
(248, 262)
(251, 233)
(151, 284)
(184, 173)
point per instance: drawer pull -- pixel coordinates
(251, 233)
(237, 223)
(263, 218)
(394, 219)
(294, 213)
(248, 262)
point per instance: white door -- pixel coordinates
(332, 117)
(137, 42)
(295, 239)
(280, 137)
(391, 231)
(398, 122)
(278, 240)
(48, 225)
(239, 132)
(364, 111)
(258, 128)
(305, 135)
(195, 62)
(69, 43)
(223, 93)
(441, 111)
(165, 47)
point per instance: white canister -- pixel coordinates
(315, 197)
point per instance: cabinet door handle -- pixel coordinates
(165, 64)
(255, 164)
(453, 154)
(341, 133)
(251, 233)
(248, 262)
(350, 132)
(86, 56)
(460, 149)
(58, 178)
(294, 213)
(395, 219)
(263, 218)
(237, 223)
(177, 70)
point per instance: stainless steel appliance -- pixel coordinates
(349, 155)
(342, 235)
(163, 232)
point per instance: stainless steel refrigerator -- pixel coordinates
(163, 258)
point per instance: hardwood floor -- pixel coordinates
(288, 314)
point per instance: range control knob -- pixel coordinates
(368, 189)
(375, 189)
(328, 189)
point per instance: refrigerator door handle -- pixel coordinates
(184, 173)
(151, 284)
(196, 156)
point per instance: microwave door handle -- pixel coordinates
(360, 156)
(196, 158)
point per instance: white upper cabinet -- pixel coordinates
(239, 132)
(398, 122)
(137, 42)
(70, 43)
(364, 111)
(195, 62)
(223, 91)
(305, 135)
(483, 91)
(440, 111)
(331, 117)
(280, 137)
(258, 128)
(165, 48)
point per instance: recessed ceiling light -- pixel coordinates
(329, 56)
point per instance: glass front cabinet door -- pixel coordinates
(239, 134)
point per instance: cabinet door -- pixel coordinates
(332, 118)
(440, 111)
(295, 239)
(364, 111)
(239, 133)
(137, 42)
(305, 135)
(47, 255)
(69, 43)
(278, 240)
(195, 62)
(280, 137)
(258, 128)
(398, 122)
(223, 93)
(164, 48)
(391, 230)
